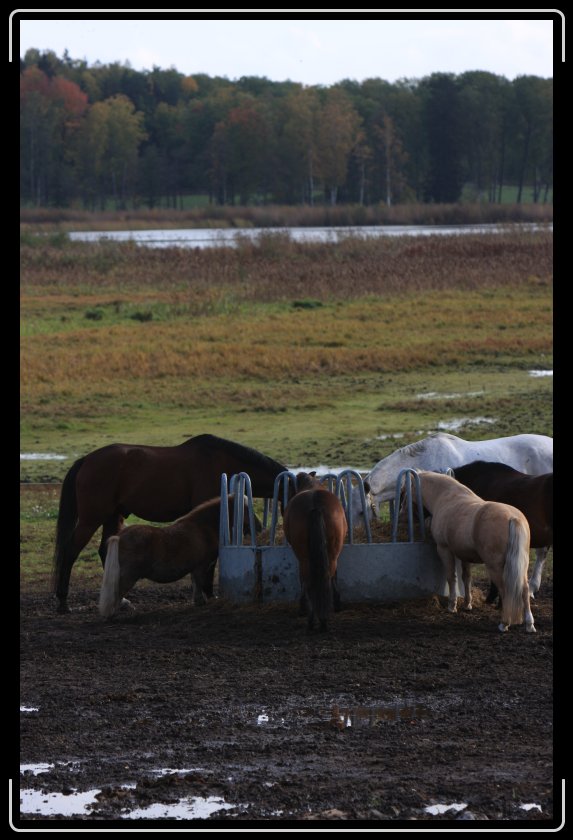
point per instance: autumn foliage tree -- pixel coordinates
(108, 134)
(51, 111)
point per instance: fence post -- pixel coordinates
(240, 485)
(284, 478)
(345, 477)
(224, 535)
(408, 474)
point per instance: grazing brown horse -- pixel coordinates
(315, 526)
(190, 545)
(531, 494)
(474, 531)
(157, 483)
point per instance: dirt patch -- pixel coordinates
(397, 708)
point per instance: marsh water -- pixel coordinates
(219, 237)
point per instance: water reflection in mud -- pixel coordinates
(50, 804)
(190, 808)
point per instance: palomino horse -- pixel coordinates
(315, 526)
(531, 454)
(157, 483)
(497, 534)
(190, 545)
(531, 494)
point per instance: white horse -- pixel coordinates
(530, 454)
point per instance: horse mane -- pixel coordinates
(420, 446)
(237, 450)
(412, 449)
(207, 510)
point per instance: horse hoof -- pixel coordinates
(126, 605)
(503, 628)
(530, 628)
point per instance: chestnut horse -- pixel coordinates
(531, 494)
(190, 545)
(315, 526)
(157, 483)
(474, 531)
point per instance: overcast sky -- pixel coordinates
(311, 51)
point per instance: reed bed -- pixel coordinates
(282, 216)
(274, 268)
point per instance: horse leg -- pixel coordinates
(207, 581)
(311, 622)
(200, 579)
(492, 594)
(335, 595)
(496, 577)
(535, 581)
(449, 562)
(198, 597)
(81, 536)
(529, 625)
(307, 608)
(467, 581)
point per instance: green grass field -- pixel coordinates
(314, 354)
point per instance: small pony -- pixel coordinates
(315, 526)
(494, 533)
(188, 545)
(531, 494)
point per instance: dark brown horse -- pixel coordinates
(157, 483)
(315, 526)
(531, 494)
(190, 545)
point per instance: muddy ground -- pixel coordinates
(398, 707)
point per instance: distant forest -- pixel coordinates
(108, 136)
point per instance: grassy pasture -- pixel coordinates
(314, 354)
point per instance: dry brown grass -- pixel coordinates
(274, 269)
(279, 309)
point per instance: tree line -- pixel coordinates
(108, 133)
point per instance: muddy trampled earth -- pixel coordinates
(230, 714)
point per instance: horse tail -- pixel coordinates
(515, 571)
(67, 519)
(320, 590)
(109, 596)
